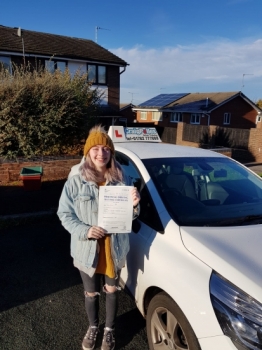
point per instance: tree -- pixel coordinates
(259, 103)
(43, 113)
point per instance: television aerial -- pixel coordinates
(96, 32)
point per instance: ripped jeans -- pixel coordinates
(93, 285)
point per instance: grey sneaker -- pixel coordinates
(89, 340)
(108, 339)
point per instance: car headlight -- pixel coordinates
(239, 315)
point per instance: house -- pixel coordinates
(218, 119)
(53, 51)
(128, 115)
(224, 109)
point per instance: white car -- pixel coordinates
(195, 261)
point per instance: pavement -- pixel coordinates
(256, 167)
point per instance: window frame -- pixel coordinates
(144, 113)
(195, 116)
(159, 118)
(55, 65)
(154, 220)
(6, 65)
(97, 80)
(227, 118)
(176, 117)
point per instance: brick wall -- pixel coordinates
(52, 170)
(255, 144)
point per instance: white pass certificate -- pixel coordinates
(115, 209)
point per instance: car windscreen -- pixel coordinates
(207, 191)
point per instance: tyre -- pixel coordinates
(167, 326)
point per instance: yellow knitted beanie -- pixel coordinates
(98, 138)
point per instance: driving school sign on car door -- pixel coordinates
(121, 134)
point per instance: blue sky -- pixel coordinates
(170, 45)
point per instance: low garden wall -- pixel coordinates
(52, 169)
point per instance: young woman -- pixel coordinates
(96, 253)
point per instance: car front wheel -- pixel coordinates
(167, 326)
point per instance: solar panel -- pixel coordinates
(162, 100)
(194, 106)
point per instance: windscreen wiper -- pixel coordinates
(244, 220)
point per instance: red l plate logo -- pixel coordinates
(117, 134)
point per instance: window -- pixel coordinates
(143, 115)
(5, 62)
(194, 189)
(195, 118)
(148, 213)
(91, 72)
(52, 65)
(157, 116)
(101, 74)
(176, 117)
(96, 74)
(227, 117)
(60, 65)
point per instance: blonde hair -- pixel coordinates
(114, 171)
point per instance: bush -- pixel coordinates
(43, 113)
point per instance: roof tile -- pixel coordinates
(37, 43)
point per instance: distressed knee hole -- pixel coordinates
(110, 289)
(90, 295)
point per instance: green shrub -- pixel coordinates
(43, 113)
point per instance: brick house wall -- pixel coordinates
(243, 116)
(129, 114)
(113, 83)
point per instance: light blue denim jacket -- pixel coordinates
(78, 211)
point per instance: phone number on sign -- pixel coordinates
(142, 138)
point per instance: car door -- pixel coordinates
(144, 228)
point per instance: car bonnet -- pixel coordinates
(233, 252)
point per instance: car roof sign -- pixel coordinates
(133, 134)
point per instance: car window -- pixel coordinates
(206, 191)
(129, 169)
(148, 211)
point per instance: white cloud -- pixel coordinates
(214, 65)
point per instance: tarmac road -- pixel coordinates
(41, 294)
